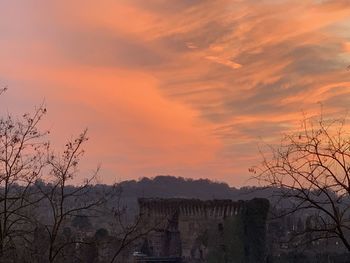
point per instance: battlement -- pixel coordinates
(190, 207)
(193, 229)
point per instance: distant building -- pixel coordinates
(196, 231)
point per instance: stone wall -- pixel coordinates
(212, 231)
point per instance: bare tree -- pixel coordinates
(22, 152)
(311, 170)
(65, 201)
(130, 231)
(38, 200)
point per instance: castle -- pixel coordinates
(197, 231)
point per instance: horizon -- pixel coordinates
(153, 178)
(182, 87)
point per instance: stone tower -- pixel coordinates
(213, 231)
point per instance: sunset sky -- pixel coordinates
(180, 87)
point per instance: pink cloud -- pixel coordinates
(180, 87)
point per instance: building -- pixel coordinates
(196, 231)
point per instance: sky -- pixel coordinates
(187, 88)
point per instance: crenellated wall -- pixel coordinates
(197, 230)
(190, 207)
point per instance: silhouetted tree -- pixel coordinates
(38, 202)
(22, 159)
(127, 230)
(66, 202)
(311, 170)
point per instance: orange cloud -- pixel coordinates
(183, 87)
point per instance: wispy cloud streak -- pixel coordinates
(184, 87)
